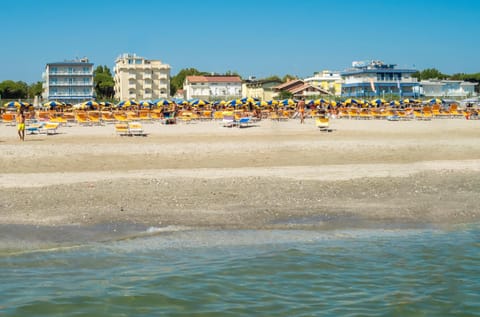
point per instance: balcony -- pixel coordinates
(132, 86)
(70, 73)
(67, 84)
(147, 86)
(147, 76)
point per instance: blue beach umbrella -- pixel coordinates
(53, 104)
(435, 101)
(13, 105)
(127, 103)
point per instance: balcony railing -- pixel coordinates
(71, 73)
(70, 84)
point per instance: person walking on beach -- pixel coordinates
(21, 125)
(301, 110)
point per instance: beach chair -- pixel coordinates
(121, 129)
(244, 122)
(135, 128)
(49, 127)
(82, 119)
(228, 119)
(218, 115)
(322, 123)
(107, 117)
(8, 118)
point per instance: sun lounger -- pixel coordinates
(135, 128)
(50, 127)
(244, 122)
(121, 129)
(323, 123)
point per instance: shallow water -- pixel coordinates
(426, 272)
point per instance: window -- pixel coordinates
(70, 70)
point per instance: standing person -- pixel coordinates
(301, 110)
(21, 126)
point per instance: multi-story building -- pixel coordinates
(262, 89)
(447, 88)
(68, 81)
(141, 79)
(327, 80)
(374, 78)
(213, 87)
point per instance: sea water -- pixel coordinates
(186, 272)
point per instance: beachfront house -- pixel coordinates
(262, 89)
(376, 79)
(215, 87)
(70, 81)
(300, 89)
(140, 78)
(327, 80)
(447, 88)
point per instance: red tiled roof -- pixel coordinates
(306, 86)
(293, 82)
(214, 79)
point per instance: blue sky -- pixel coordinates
(251, 37)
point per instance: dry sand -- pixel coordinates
(272, 175)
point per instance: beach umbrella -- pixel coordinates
(105, 104)
(288, 102)
(90, 104)
(127, 103)
(145, 103)
(162, 102)
(199, 102)
(53, 104)
(435, 101)
(235, 102)
(249, 100)
(14, 105)
(350, 101)
(261, 103)
(378, 101)
(395, 103)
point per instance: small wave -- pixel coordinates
(167, 229)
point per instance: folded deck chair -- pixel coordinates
(323, 123)
(121, 129)
(228, 119)
(244, 122)
(135, 128)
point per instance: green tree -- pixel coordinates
(176, 82)
(429, 73)
(35, 89)
(10, 89)
(103, 81)
(288, 77)
(285, 95)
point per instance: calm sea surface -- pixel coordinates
(420, 272)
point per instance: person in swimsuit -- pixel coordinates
(301, 110)
(21, 126)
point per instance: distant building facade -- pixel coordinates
(262, 89)
(138, 78)
(213, 87)
(327, 80)
(299, 89)
(69, 81)
(375, 78)
(447, 88)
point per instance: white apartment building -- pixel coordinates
(327, 80)
(213, 87)
(141, 79)
(68, 81)
(447, 88)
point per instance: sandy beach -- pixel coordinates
(273, 175)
